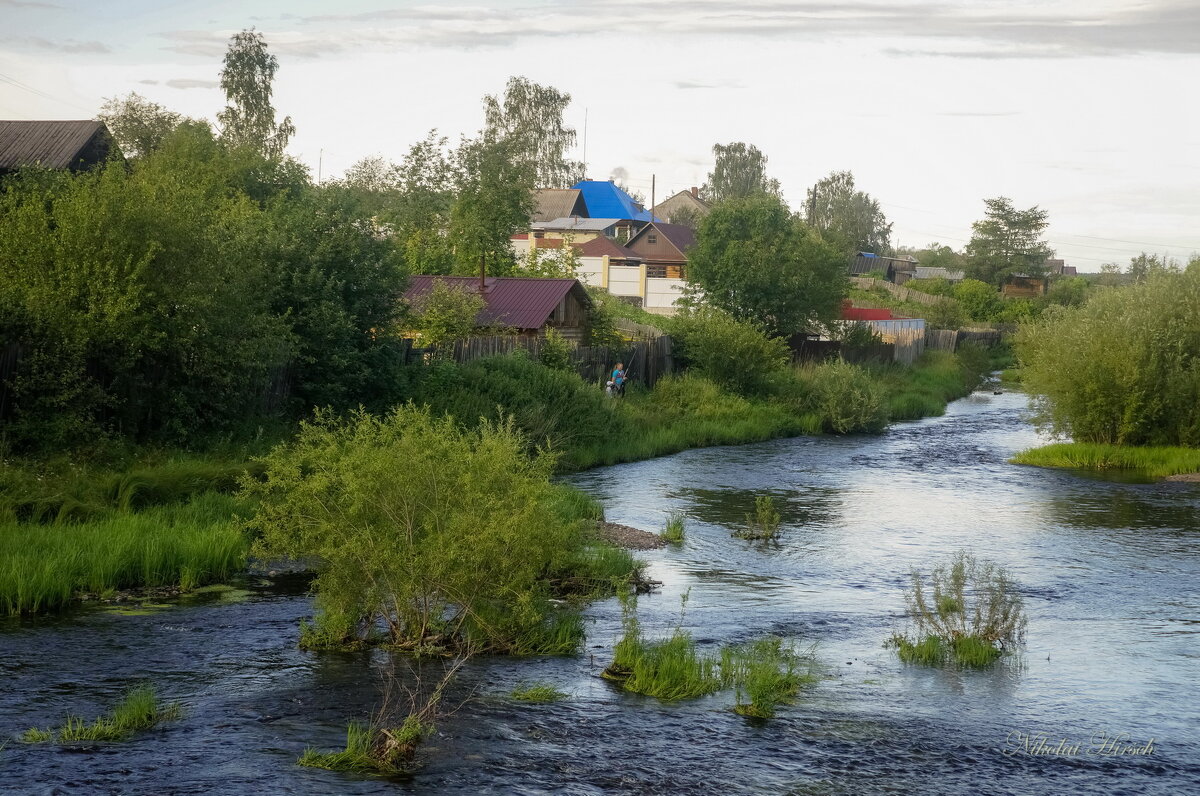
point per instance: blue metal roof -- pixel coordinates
(606, 200)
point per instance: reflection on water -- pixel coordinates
(1110, 571)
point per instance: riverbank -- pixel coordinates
(1154, 462)
(174, 520)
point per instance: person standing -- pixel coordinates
(618, 379)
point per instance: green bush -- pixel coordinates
(847, 398)
(1124, 368)
(552, 408)
(734, 354)
(555, 352)
(443, 536)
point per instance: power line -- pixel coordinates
(12, 81)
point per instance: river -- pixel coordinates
(1110, 571)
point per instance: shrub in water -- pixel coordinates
(968, 614)
(766, 674)
(538, 693)
(763, 524)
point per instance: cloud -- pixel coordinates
(149, 82)
(690, 85)
(71, 46)
(989, 29)
(24, 4)
(973, 114)
(187, 82)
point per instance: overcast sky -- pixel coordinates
(1084, 108)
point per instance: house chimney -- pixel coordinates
(695, 192)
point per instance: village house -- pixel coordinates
(685, 204)
(527, 305)
(894, 269)
(552, 203)
(72, 145)
(937, 272)
(1023, 286)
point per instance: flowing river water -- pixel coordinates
(1110, 572)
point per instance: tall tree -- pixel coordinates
(249, 118)
(740, 171)
(1143, 266)
(530, 119)
(1007, 241)
(494, 200)
(138, 125)
(759, 262)
(847, 218)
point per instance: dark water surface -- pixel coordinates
(1111, 574)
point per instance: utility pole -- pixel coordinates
(652, 186)
(320, 162)
(585, 121)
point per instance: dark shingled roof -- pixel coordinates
(523, 302)
(598, 247)
(552, 203)
(56, 145)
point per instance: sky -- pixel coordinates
(1084, 109)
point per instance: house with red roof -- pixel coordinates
(528, 305)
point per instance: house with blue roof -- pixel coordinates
(604, 199)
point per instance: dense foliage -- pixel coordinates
(759, 262)
(1124, 367)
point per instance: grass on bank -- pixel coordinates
(1154, 462)
(139, 710)
(46, 567)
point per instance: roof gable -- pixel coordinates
(552, 203)
(516, 301)
(599, 247)
(680, 237)
(55, 145)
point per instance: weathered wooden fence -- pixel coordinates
(951, 339)
(646, 361)
(635, 330)
(899, 291)
(909, 343)
(941, 339)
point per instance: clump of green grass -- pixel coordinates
(968, 615)
(538, 693)
(763, 524)
(1155, 462)
(373, 750)
(766, 674)
(139, 710)
(673, 532)
(43, 568)
(669, 669)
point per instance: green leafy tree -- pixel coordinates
(249, 118)
(1007, 241)
(138, 125)
(530, 119)
(1123, 368)
(494, 200)
(555, 351)
(1143, 266)
(979, 300)
(448, 314)
(760, 263)
(740, 171)
(848, 218)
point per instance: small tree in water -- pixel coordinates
(430, 535)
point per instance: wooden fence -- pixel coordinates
(634, 330)
(646, 361)
(950, 339)
(909, 343)
(899, 291)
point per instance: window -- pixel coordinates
(652, 239)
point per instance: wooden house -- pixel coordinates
(527, 305)
(684, 203)
(1023, 286)
(894, 269)
(663, 247)
(72, 145)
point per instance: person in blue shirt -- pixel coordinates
(618, 379)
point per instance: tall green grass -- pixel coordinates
(139, 710)
(766, 674)
(1155, 462)
(44, 567)
(373, 750)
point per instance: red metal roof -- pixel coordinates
(598, 247)
(852, 313)
(521, 302)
